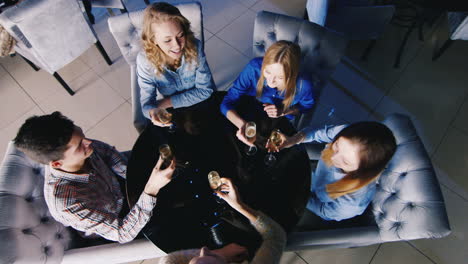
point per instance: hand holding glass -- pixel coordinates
(215, 183)
(165, 118)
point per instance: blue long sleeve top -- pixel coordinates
(246, 84)
(190, 84)
(320, 203)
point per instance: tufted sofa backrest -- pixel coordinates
(127, 28)
(28, 232)
(408, 203)
(321, 48)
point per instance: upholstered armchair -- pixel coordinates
(408, 203)
(50, 34)
(357, 20)
(321, 49)
(28, 232)
(126, 29)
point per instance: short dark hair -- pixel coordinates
(45, 138)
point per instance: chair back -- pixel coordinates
(28, 231)
(321, 49)
(360, 22)
(458, 25)
(408, 203)
(50, 33)
(127, 28)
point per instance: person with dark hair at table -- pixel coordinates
(343, 184)
(270, 251)
(81, 185)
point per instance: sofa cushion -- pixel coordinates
(28, 231)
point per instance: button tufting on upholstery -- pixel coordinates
(29, 199)
(47, 250)
(58, 236)
(411, 205)
(27, 231)
(44, 219)
(36, 170)
(403, 174)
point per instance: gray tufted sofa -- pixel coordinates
(30, 235)
(408, 203)
(126, 29)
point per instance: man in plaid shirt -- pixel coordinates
(81, 186)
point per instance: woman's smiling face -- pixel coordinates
(170, 37)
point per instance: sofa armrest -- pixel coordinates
(113, 253)
(333, 238)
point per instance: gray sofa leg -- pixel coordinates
(103, 52)
(63, 83)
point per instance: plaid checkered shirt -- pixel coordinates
(91, 203)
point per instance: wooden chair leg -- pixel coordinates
(103, 52)
(444, 47)
(31, 63)
(63, 83)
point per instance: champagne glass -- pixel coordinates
(250, 134)
(165, 117)
(215, 184)
(166, 154)
(274, 141)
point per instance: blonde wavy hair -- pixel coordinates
(288, 54)
(158, 13)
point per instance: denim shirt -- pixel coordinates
(190, 84)
(246, 84)
(320, 203)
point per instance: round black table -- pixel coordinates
(204, 141)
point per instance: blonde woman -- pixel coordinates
(343, 184)
(275, 81)
(173, 63)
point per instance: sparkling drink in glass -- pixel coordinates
(166, 154)
(251, 134)
(165, 117)
(274, 141)
(215, 184)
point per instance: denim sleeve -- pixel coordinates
(324, 135)
(148, 89)
(326, 210)
(204, 84)
(245, 84)
(306, 101)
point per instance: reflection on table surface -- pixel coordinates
(205, 141)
